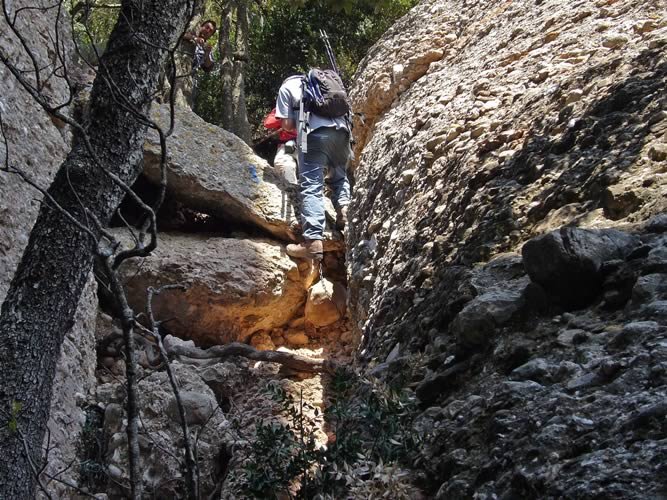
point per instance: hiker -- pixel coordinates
(197, 45)
(284, 161)
(328, 146)
(194, 53)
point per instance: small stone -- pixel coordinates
(615, 41)
(113, 418)
(326, 303)
(198, 407)
(491, 105)
(657, 43)
(645, 26)
(540, 76)
(297, 322)
(658, 152)
(114, 472)
(587, 380)
(406, 177)
(574, 96)
(262, 341)
(479, 130)
(454, 133)
(434, 142)
(537, 370)
(504, 155)
(523, 388)
(397, 72)
(297, 338)
(510, 135)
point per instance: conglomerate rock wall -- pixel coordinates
(481, 125)
(37, 145)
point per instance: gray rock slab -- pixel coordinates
(213, 171)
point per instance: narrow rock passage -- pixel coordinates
(294, 403)
(222, 237)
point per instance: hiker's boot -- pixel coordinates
(309, 249)
(341, 218)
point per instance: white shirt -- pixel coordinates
(287, 106)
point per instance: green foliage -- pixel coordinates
(91, 448)
(281, 451)
(91, 27)
(285, 40)
(13, 420)
(374, 442)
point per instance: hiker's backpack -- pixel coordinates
(324, 94)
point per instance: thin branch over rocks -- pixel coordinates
(191, 478)
(293, 361)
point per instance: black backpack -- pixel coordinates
(324, 94)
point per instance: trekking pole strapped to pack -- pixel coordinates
(302, 130)
(330, 52)
(323, 93)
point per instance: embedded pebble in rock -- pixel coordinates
(262, 341)
(297, 338)
(198, 408)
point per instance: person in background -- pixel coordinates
(194, 53)
(201, 50)
(284, 161)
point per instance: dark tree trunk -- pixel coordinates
(43, 296)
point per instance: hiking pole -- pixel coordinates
(329, 51)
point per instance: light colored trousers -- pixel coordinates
(328, 147)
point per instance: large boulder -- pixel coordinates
(234, 287)
(567, 262)
(215, 172)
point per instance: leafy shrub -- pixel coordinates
(372, 445)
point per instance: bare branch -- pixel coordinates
(4, 139)
(191, 478)
(51, 201)
(24, 43)
(127, 322)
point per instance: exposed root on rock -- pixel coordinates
(293, 361)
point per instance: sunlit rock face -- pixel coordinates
(232, 287)
(482, 125)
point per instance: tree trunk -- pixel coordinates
(226, 65)
(40, 305)
(234, 117)
(241, 126)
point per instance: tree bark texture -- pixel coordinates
(43, 296)
(241, 126)
(226, 65)
(233, 45)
